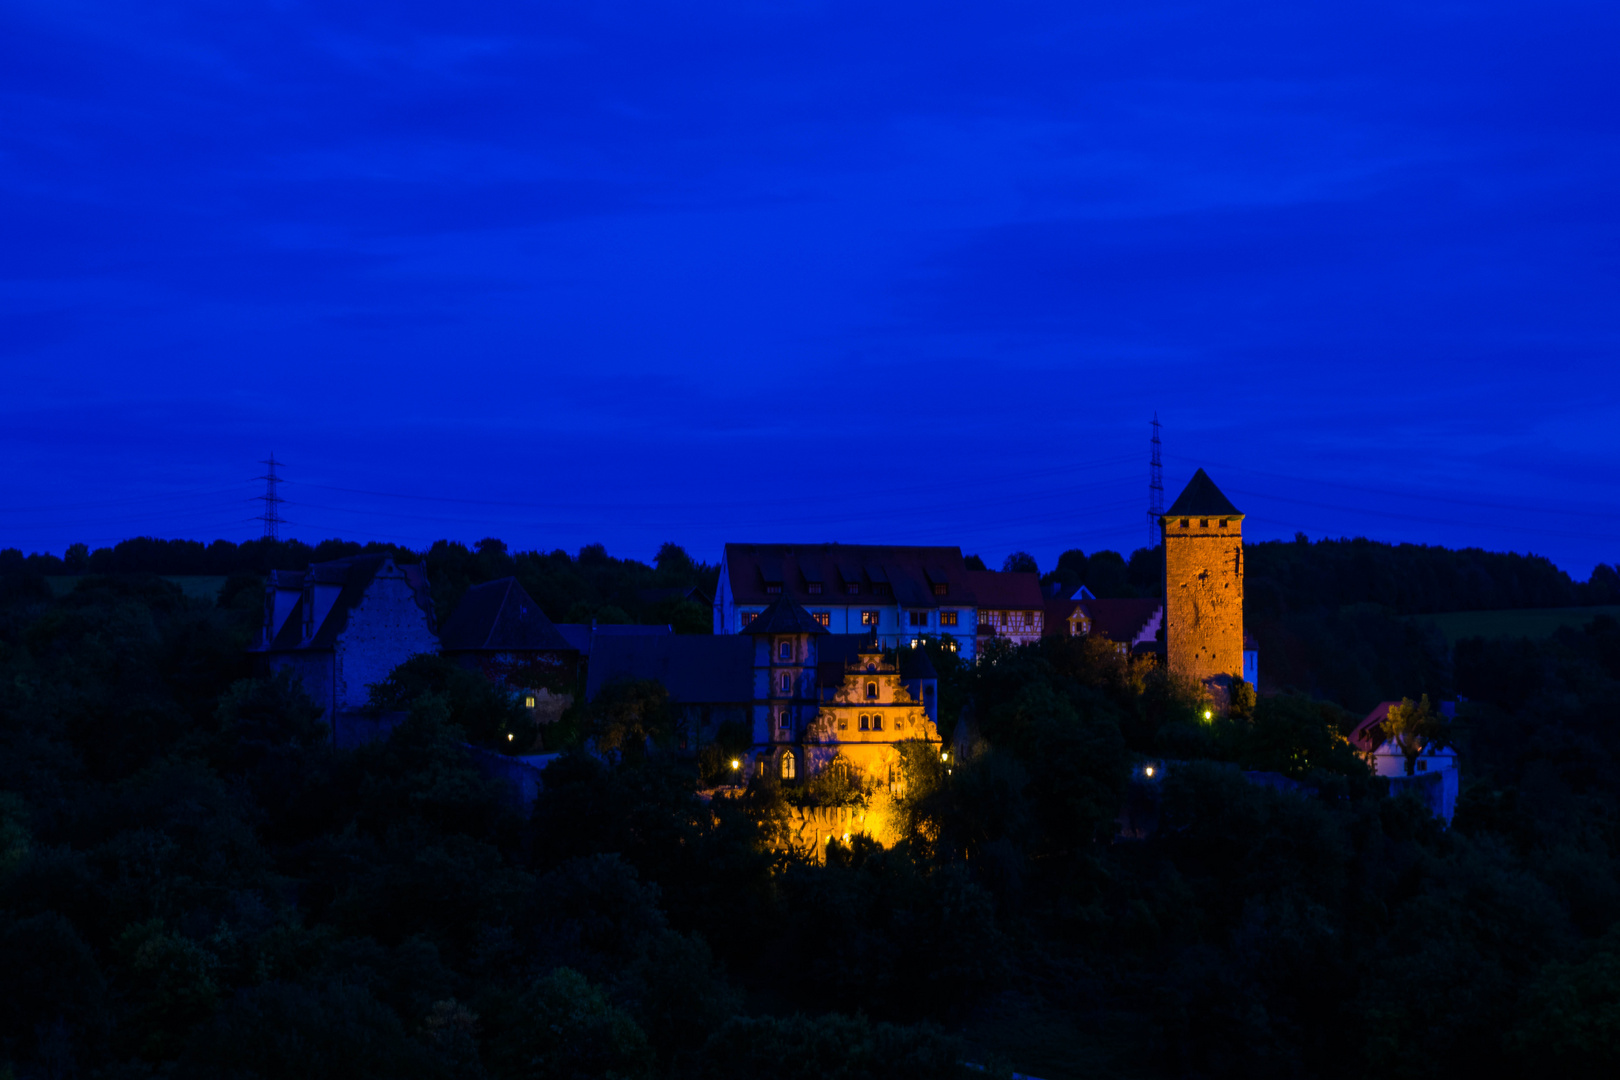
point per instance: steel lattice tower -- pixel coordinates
(1155, 489)
(272, 501)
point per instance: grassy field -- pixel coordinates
(1524, 622)
(198, 587)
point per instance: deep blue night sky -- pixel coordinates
(637, 272)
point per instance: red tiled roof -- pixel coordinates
(909, 572)
(1015, 590)
(1120, 619)
(1369, 734)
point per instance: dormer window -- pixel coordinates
(773, 590)
(853, 588)
(941, 589)
(814, 587)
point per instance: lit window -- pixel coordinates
(941, 589)
(528, 701)
(869, 618)
(866, 722)
(824, 618)
(784, 650)
(947, 618)
(871, 691)
(787, 766)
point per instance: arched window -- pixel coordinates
(785, 721)
(866, 722)
(871, 691)
(877, 721)
(784, 682)
(784, 649)
(787, 765)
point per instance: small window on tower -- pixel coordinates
(1184, 523)
(785, 683)
(784, 650)
(787, 766)
(785, 721)
(1223, 523)
(1203, 523)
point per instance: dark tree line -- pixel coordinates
(193, 882)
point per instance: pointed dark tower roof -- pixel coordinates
(784, 617)
(1201, 498)
(500, 616)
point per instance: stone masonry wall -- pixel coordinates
(384, 630)
(1203, 575)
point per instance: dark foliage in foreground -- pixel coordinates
(194, 883)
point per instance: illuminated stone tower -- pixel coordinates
(1203, 583)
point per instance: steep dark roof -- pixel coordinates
(581, 635)
(696, 669)
(1369, 734)
(999, 589)
(911, 573)
(784, 617)
(1120, 619)
(1201, 498)
(353, 575)
(499, 616)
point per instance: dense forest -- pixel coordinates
(193, 882)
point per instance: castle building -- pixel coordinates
(900, 593)
(809, 697)
(1203, 583)
(342, 625)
